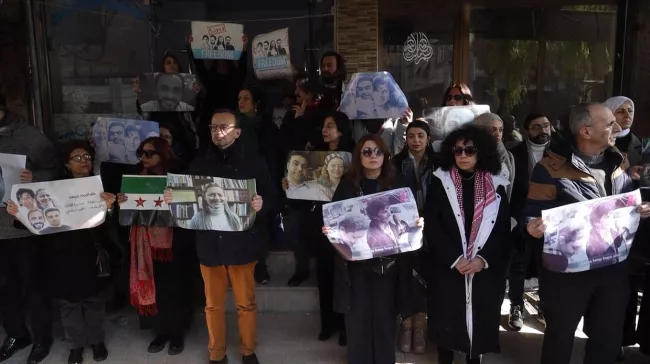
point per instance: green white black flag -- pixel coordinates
(145, 205)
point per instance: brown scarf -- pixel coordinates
(148, 243)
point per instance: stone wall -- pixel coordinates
(357, 34)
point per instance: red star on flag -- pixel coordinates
(139, 202)
(158, 202)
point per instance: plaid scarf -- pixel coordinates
(148, 243)
(484, 194)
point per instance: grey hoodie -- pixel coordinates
(19, 137)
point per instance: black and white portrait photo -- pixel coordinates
(373, 226)
(211, 203)
(373, 95)
(117, 140)
(167, 92)
(449, 118)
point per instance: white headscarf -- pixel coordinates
(614, 103)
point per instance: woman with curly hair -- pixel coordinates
(468, 227)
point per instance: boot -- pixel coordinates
(406, 336)
(419, 329)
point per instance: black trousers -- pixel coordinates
(83, 321)
(601, 296)
(329, 320)
(174, 288)
(21, 289)
(371, 323)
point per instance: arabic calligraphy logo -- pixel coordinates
(417, 48)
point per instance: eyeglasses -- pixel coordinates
(369, 152)
(81, 158)
(145, 153)
(540, 127)
(455, 97)
(469, 151)
(224, 128)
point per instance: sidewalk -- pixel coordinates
(288, 339)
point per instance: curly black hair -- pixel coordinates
(487, 158)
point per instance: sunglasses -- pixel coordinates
(145, 153)
(455, 97)
(470, 151)
(369, 152)
(81, 158)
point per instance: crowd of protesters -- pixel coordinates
(479, 193)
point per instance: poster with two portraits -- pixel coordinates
(361, 228)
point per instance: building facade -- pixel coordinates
(66, 62)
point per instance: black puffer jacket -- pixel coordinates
(217, 248)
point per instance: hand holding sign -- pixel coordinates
(257, 203)
(109, 198)
(26, 176)
(536, 228)
(12, 208)
(644, 210)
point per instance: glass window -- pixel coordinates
(547, 60)
(96, 48)
(417, 49)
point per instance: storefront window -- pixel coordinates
(547, 60)
(417, 50)
(96, 48)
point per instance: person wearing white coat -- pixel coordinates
(467, 227)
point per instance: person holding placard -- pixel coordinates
(71, 272)
(230, 256)
(415, 164)
(371, 292)
(160, 262)
(468, 232)
(20, 250)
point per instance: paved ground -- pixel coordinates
(290, 339)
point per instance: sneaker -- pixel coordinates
(249, 359)
(540, 317)
(515, 319)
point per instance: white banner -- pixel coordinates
(271, 56)
(57, 206)
(590, 234)
(10, 166)
(217, 40)
(375, 225)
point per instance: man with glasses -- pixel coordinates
(230, 255)
(584, 166)
(537, 130)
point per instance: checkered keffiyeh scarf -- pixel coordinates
(484, 194)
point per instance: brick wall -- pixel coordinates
(640, 79)
(357, 35)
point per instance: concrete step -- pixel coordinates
(277, 297)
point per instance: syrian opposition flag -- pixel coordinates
(145, 205)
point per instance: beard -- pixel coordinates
(541, 139)
(329, 78)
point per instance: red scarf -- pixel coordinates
(148, 243)
(484, 194)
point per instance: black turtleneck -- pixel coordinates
(468, 199)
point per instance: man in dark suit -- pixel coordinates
(537, 129)
(229, 47)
